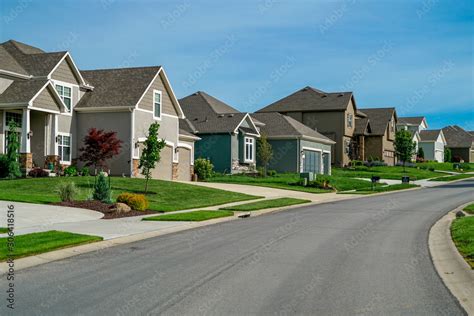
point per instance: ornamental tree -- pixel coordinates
(12, 156)
(99, 146)
(404, 146)
(151, 152)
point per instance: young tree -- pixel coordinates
(421, 153)
(12, 156)
(151, 152)
(404, 146)
(447, 155)
(264, 152)
(99, 146)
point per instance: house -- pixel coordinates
(433, 143)
(460, 142)
(55, 104)
(227, 137)
(379, 144)
(331, 114)
(296, 147)
(414, 125)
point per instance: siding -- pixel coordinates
(285, 155)
(2, 140)
(118, 122)
(147, 102)
(216, 147)
(45, 100)
(67, 124)
(37, 125)
(4, 84)
(64, 73)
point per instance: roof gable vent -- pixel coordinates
(340, 95)
(231, 115)
(220, 115)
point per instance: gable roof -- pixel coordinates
(430, 135)
(412, 120)
(281, 126)
(362, 126)
(311, 99)
(121, 87)
(379, 119)
(456, 137)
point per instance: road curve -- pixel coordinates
(366, 256)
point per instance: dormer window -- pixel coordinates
(66, 95)
(157, 104)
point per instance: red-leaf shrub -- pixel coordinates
(99, 146)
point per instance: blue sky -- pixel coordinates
(414, 55)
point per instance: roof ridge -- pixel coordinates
(122, 68)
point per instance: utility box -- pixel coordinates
(375, 179)
(307, 175)
(405, 179)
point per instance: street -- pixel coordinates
(366, 256)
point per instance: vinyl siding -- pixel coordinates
(217, 148)
(285, 155)
(45, 100)
(147, 102)
(65, 73)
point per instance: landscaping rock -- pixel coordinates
(460, 214)
(122, 208)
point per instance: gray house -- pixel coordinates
(54, 104)
(296, 147)
(460, 142)
(227, 136)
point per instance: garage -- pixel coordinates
(311, 161)
(184, 165)
(164, 168)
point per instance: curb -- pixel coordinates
(455, 272)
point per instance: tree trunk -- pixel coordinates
(146, 184)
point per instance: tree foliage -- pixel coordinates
(404, 146)
(264, 152)
(447, 155)
(151, 152)
(99, 146)
(13, 156)
(421, 153)
(102, 190)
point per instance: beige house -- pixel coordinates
(331, 114)
(54, 104)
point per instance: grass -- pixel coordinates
(462, 232)
(445, 166)
(167, 195)
(259, 205)
(195, 216)
(388, 188)
(3, 230)
(453, 178)
(469, 209)
(284, 180)
(384, 172)
(36, 243)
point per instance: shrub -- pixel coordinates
(3, 166)
(431, 169)
(375, 163)
(407, 164)
(203, 168)
(456, 159)
(67, 191)
(271, 173)
(137, 202)
(260, 171)
(102, 190)
(70, 171)
(38, 173)
(465, 166)
(85, 171)
(355, 163)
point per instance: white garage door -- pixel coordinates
(184, 166)
(164, 168)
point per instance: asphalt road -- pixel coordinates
(357, 257)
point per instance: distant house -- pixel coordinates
(379, 143)
(227, 136)
(460, 142)
(296, 147)
(332, 114)
(414, 125)
(433, 143)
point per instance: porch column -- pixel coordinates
(25, 129)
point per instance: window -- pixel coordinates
(349, 120)
(248, 153)
(157, 104)
(15, 117)
(392, 124)
(65, 94)
(64, 148)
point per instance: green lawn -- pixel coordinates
(168, 195)
(3, 230)
(469, 209)
(36, 243)
(388, 188)
(284, 180)
(462, 232)
(453, 178)
(265, 204)
(195, 216)
(446, 166)
(394, 172)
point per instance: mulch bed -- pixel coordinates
(104, 208)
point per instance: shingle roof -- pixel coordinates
(429, 135)
(310, 99)
(415, 120)
(187, 126)
(279, 125)
(379, 119)
(456, 137)
(218, 123)
(28, 60)
(362, 126)
(121, 87)
(21, 91)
